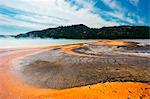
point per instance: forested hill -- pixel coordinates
(83, 32)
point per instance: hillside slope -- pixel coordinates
(83, 32)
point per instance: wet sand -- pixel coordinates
(91, 70)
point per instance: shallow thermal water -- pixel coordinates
(140, 41)
(11, 42)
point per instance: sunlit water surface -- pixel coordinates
(12, 42)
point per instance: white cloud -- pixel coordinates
(39, 14)
(122, 13)
(6, 20)
(134, 2)
(113, 4)
(122, 17)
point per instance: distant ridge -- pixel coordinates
(6, 36)
(81, 31)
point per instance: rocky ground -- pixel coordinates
(78, 65)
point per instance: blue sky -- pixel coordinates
(20, 16)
